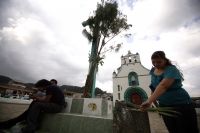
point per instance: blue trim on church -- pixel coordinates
(134, 74)
(137, 90)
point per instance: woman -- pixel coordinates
(167, 81)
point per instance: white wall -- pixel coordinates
(122, 79)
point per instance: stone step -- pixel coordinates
(70, 123)
(76, 123)
(17, 129)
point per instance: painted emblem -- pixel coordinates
(92, 106)
(66, 104)
(109, 107)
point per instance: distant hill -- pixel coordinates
(72, 88)
(4, 79)
(77, 89)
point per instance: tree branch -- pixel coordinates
(114, 36)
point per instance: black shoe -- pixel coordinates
(12, 122)
(23, 130)
(4, 125)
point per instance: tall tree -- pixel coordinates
(106, 23)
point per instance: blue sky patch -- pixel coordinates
(131, 38)
(157, 38)
(195, 20)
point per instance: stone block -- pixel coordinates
(92, 106)
(77, 106)
(104, 108)
(68, 104)
(88, 106)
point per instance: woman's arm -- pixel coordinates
(160, 89)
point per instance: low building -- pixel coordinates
(16, 84)
(14, 87)
(104, 96)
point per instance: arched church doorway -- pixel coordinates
(136, 98)
(135, 95)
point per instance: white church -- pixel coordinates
(131, 81)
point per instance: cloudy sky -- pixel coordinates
(43, 39)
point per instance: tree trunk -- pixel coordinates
(89, 81)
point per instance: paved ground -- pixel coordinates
(156, 123)
(8, 111)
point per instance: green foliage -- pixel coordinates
(105, 24)
(87, 35)
(168, 111)
(98, 59)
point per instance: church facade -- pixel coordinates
(131, 81)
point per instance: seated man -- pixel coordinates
(53, 102)
(54, 82)
(42, 94)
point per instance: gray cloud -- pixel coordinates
(32, 56)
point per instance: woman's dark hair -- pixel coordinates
(42, 83)
(54, 81)
(161, 54)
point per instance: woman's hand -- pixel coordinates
(145, 105)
